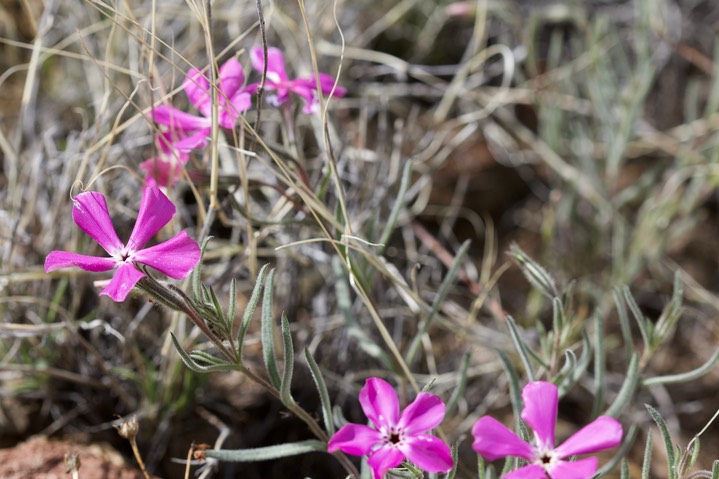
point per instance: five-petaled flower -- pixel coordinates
(175, 257)
(277, 80)
(232, 98)
(494, 441)
(395, 436)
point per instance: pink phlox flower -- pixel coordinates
(233, 98)
(176, 257)
(278, 81)
(166, 168)
(494, 441)
(395, 436)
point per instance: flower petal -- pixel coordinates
(582, 469)
(384, 459)
(231, 78)
(164, 141)
(532, 471)
(304, 88)
(197, 89)
(493, 440)
(276, 73)
(176, 257)
(354, 439)
(428, 452)
(229, 113)
(602, 433)
(379, 403)
(160, 171)
(90, 213)
(307, 89)
(540, 410)
(63, 259)
(122, 282)
(175, 118)
(155, 212)
(327, 83)
(250, 88)
(196, 140)
(424, 413)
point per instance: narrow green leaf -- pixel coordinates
(223, 367)
(232, 306)
(195, 278)
(204, 294)
(455, 458)
(580, 368)
(521, 348)
(397, 207)
(268, 333)
(322, 390)
(599, 365)
(481, 469)
(289, 355)
(491, 473)
(624, 321)
(202, 356)
(439, 298)
(671, 313)
(570, 363)
(268, 452)
(695, 454)
(715, 470)
(461, 384)
(687, 376)
(624, 471)
(515, 390)
(410, 473)
(427, 387)
(558, 317)
(216, 304)
(666, 437)
(535, 274)
(192, 365)
(628, 388)
(647, 464)
(250, 310)
(221, 321)
(644, 325)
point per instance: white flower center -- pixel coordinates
(545, 457)
(124, 256)
(393, 436)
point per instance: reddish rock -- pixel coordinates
(42, 458)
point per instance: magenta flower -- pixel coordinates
(232, 98)
(166, 168)
(277, 80)
(495, 441)
(397, 436)
(176, 257)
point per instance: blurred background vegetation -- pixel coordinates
(584, 132)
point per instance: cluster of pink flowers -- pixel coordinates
(183, 132)
(398, 436)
